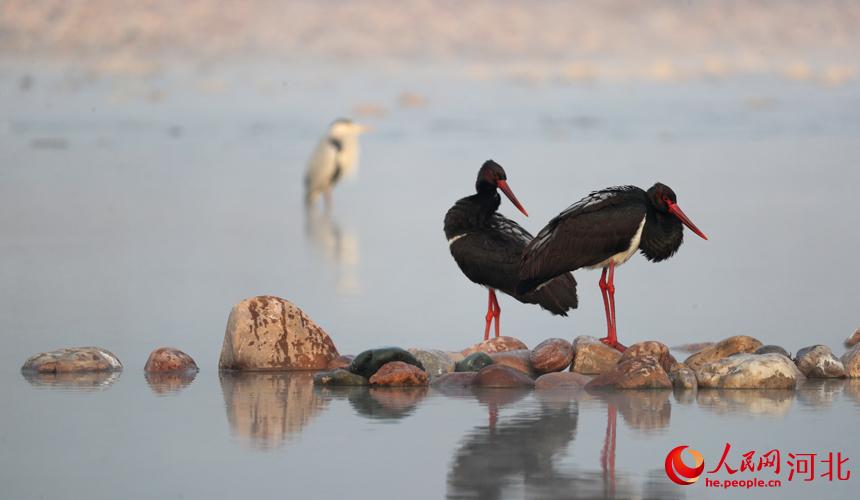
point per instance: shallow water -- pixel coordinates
(135, 213)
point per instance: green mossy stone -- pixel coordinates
(339, 377)
(368, 362)
(474, 362)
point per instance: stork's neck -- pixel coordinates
(661, 236)
(471, 213)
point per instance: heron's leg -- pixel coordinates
(612, 337)
(497, 311)
(489, 315)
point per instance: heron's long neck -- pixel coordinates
(347, 154)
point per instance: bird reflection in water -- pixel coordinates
(268, 409)
(84, 381)
(166, 383)
(338, 247)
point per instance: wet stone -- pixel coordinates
(368, 362)
(657, 350)
(502, 376)
(643, 372)
(339, 377)
(851, 362)
(496, 344)
(722, 349)
(551, 355)
(692, 347)
(749, 371)
(772, 349)
(683, 377)
(593, 357)
(457, 379)
(398, 373)
(853, 340)
(74, 359)
(474, 362)
(435, 362)
(818, 361)
(169, 359)
(518, 360)
(562, 380)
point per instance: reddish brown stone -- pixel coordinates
(636, 373)
(74, 359)
(502, 376)
(562, 380)
(592, 357)
(341, 361)
(722, 349)
(552, 355)
(652, 348)
(853, 339)
(454, 379)
(851, 362)
(169, 359)
(495, 344)
(270, 333)
(518, 360)
(399, 373)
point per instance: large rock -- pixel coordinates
(341, 361)
(657, 350)
(518, 360)
(502, 376)
(561, 380)
(818, 361)
(851, 362)
(366, 363)
(643, 372)
(73, 359)
(552, 355)
(853, 340)
(457, 379)
(692, 347)
(496, 344)
(722, 349)
(398, 373)
(474, 362)
(749, 371)
(435, 362)
(593, 357)
(683, 377)
(169, 359)
(339, 377)
(270, 333)
(772, 349)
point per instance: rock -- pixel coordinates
(818, 361)
(853, 339)
(74, 359)
(496, 344)
(693, 347)
(398, 373)
(474, 362)
(657, 350)
(435, 362)
(368, 362)
(748, 371)
(456, 356)
(341, 361)
(593, 357)
(683, 377)
(552, 355)
(270, 333)
(502, 376)
(643, 372)
(772, 349)
(851, 362)
(562, 380)
(722, 349)
(339, 377)
(458, 379)
(168, 359)
(518, 360)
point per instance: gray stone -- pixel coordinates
(474, 362)
(748, 371)
(772, 349)
(339, 377)
(435, 362)
(818, 361)
(73, 359)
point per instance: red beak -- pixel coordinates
(677, 212)
(503, 185)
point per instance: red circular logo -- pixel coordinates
(678, 471)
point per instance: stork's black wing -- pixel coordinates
(588, 232)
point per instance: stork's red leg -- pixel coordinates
(612, 336)
(607, 455)
(603, 292)
(497, 311)
(489, 315)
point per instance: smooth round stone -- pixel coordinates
(772, 349)
(169, 359)
(683, 377)
(502, 376)
(739, 344)
(593, 357)
(341, 361)
(853, 340)
(435, 362)
(474, 362)
(74, 359)
(454, 379)
(851, 362)
(657, 350)
(518, 360)
(339, 377)
(749, 371)
(398, 373)
(367, 363)
(551, 355)
(643, 372)
(561, 380)
(818, 361)
(496, 344)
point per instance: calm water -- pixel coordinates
(135, 213)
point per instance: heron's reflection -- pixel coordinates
(339, 248)
(83, 381)
(164, 383)
(774, 402)
(267, 409)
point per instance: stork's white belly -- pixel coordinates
(622, 257)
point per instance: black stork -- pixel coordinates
(488, 248)
(603, 230)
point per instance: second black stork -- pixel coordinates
(603, 230)
(488, 247)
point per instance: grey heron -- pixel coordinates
(335, 157)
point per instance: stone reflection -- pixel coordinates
(851, 389)
(387, 403)
(75, 381)
(267, 408)
(774, 402)
(645, 410)
(339, 248)
(165, 383)
(819, 392)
